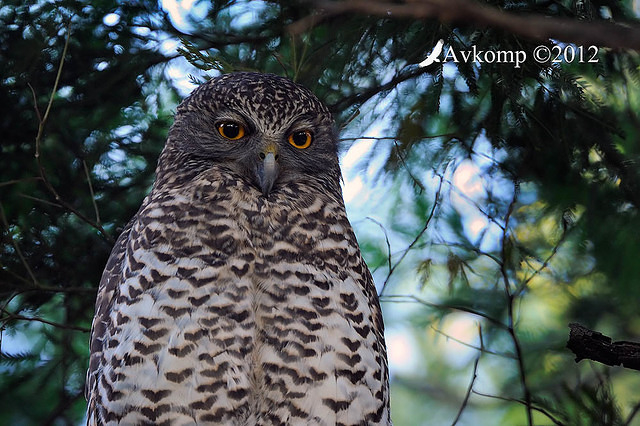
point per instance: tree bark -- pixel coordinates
(589, 344)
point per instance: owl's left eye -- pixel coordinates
(231, 130)
(300, 139)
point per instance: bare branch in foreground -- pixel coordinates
(533, 26)
(589, 344)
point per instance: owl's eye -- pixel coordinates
(230, 130)
(300, 139)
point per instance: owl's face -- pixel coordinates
(264, 128)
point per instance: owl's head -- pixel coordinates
(264, 128)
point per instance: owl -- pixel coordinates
(237, 295)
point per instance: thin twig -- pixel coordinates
(344, 125)
(510, 303)
(436, 203)
(43, 120)
(406, 166)
(519, 401)
(394, 138)
(361, 97)
(93, 195)
(284, 68)
(555, 249)
(44, 288)
(470, 388)
(40, 200)
(409, 298)
(386, 238)
(15, 181)
(474, 203)
(63, 405)
(41, 127)
(469, 345)
(16, 246)
(16, 276)
(35, 102)
(8, 301)
(503, 247)
(11, 316)
(472, 248)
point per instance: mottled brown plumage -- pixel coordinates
(237, 295)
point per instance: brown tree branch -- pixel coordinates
(532, 26)
(589, 344)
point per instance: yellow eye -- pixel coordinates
(230, 130)
(300, 139)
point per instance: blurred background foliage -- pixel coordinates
(494, 204)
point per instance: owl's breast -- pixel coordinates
(319, 355)
(241, 310)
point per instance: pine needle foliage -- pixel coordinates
(555, 144)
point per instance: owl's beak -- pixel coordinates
(267, 169)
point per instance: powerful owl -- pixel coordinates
(237, 294)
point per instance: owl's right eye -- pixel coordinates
(231, 130)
